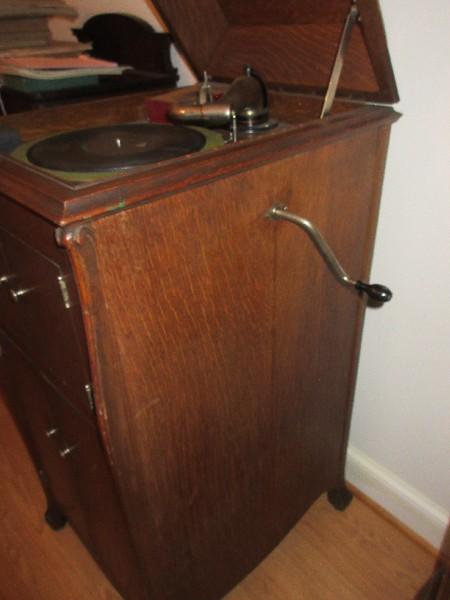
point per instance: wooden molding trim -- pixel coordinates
(411, 512)
(390, 518)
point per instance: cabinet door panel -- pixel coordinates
(225, 355)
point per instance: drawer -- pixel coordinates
(78, 445)
(32, 403)
(67, 451)
(36, 299)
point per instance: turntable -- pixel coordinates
(182, 359)
(98, 153)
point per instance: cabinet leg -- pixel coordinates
(340, 498)
(53, 515)
(55, 518)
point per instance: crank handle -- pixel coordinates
(376, 292)
(379, 294)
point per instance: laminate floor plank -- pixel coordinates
(354, 555)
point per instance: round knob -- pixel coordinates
(16, 295)
(5, 278)
(66, 451)
(376, 292)
(51, 432)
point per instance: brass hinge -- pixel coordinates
(65, 291)
(90, 396)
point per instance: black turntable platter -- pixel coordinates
(114, 147)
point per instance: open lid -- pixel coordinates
(292, 44)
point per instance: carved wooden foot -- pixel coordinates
(55, 518)
(340, 498)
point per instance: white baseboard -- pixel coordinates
(404, 502)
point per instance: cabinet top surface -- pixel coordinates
(63, 202)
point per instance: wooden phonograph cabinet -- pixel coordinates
(180, 339)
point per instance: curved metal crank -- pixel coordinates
(376, 292)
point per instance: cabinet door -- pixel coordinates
(226, 355)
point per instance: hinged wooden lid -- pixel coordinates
(291, 44)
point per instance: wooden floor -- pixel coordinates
(356, 555)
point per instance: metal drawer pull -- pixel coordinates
(375, 291)
(51, 432)
(16, 295)
(5, 278)
(66, 451)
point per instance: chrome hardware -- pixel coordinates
(205, 95)
(208, 115)
(3, 110)
(246, 97)
(65, 291)
(376, 292)
(5, 278)
(16, 295)
(333, 83)
(51, 432)
(66, 451)
(90, 396)
(233, 129)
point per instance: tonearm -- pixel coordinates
(244, 106)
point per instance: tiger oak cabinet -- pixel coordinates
(180, 365)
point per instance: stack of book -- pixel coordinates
(31, 62)
(24, 23)
(18, 33)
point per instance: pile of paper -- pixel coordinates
(44, 73)
(54, 67)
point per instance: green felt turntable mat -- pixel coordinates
(213, 139)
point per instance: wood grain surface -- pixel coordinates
(79, 484)
(292, 45)
(329, 555)
(61, 203)
(224, 354)
(39, 321)
(296, 48)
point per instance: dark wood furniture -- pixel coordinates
(181, 366)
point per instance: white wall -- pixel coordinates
(400, 445)
(402, 404)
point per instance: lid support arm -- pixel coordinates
(352, 17)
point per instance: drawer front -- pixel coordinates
(35, 311)
(67, 451)
(32, 403)
(107, 535)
